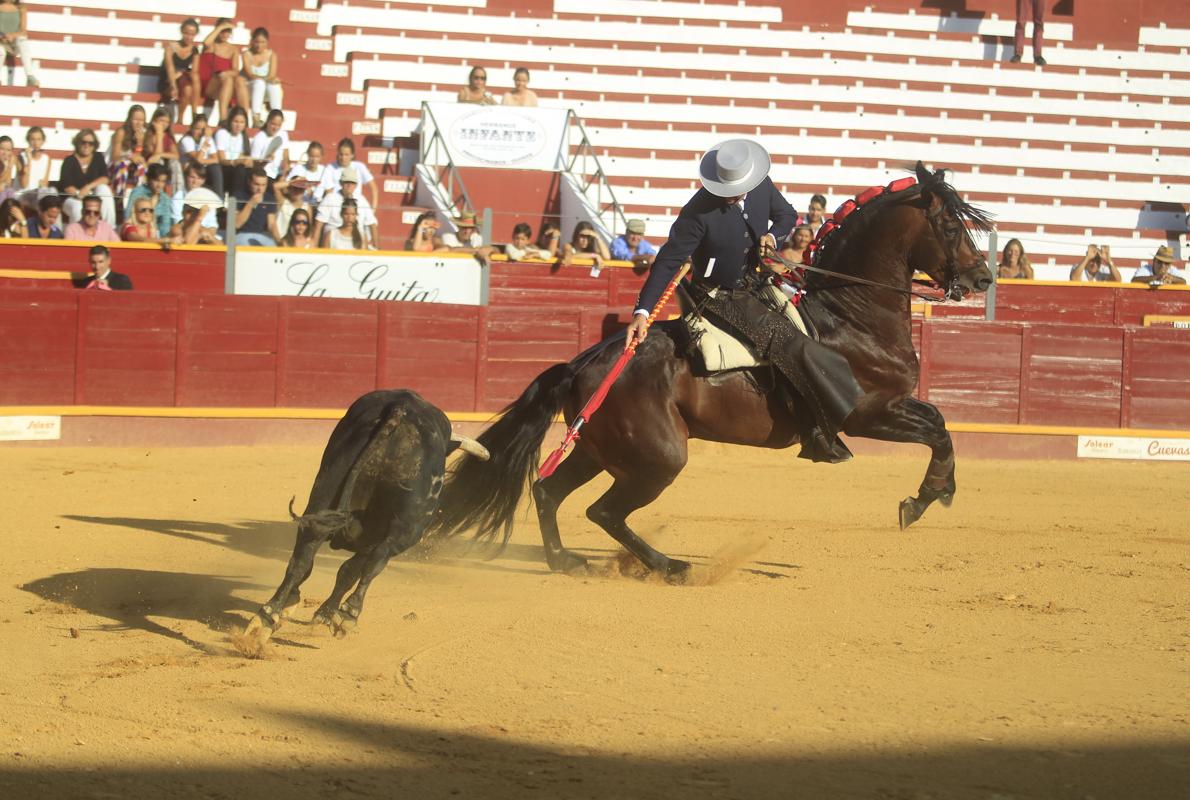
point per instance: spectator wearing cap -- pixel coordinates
(47, 223)
(466, 238)
(1096, 266)
(290, 196)
(101, 275)
(632, 245)
(92, 227)
(255, 218)
(198, 224)
(329, 210)
(1160, 271)
(196, 176)
(153, 189)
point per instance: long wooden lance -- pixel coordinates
(592, 405)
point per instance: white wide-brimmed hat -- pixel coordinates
(734, 167)
(202, 198)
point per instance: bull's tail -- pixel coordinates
(484, 495)
(326, 524)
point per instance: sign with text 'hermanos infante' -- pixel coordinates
(499, 136)
(439, 278)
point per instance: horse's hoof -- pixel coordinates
(295, 599)
(946, 498)
(258, 630)
(344, 626)
(323, 618)
(677, 572)
(910, 512)
(568, 562)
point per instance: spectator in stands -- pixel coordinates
(162, 148)
(521, 247)
(328, 210)
(815, 214)
(84, 173)
(10, 168)
(270, 146)
(1014, 263)
(521, 94)
(207, 231)
(14, 37)
(128, 152)
(255, 217)
(196, 224)
(476, 90)
(290, 196)
(234, 150)
(298, 233)
(12, 219)
(198, 147)
(154, 190)
(585, 243)
(260, 72)
(35, 164)
(91, 228)
(143, 228)
(219, 67)
(423, 237)
(179, 80)
(549, 239)
(102, 276)
(345, 157)
(1160, 270)
(793, 249)
(48, 223)
(312, 172)
(632, 246)
(1025, 9)
(349, 235)
(1096, 266)
(466, 238)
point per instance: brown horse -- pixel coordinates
(661, 400)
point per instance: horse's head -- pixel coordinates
(950, 256)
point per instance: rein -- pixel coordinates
(855, 279)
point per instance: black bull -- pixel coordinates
(376, 492)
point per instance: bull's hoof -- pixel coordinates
(291, 604)
(343, 625)
(677, 572)
(323, 617)
(567, 561)
(911, 511)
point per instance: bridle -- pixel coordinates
(948, 239)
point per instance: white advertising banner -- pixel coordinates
(497, 136)
(30, 429)
(1134, 447)
(359, 276)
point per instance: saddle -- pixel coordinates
(719, 349)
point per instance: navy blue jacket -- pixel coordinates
(717, 239)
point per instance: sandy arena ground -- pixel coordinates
(1033, 641)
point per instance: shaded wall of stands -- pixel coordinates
(166, 349)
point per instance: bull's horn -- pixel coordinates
(469, 445)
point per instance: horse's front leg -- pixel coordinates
(907, 419)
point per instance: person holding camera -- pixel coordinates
(1160, 271)
(1096, 266)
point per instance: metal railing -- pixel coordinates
(434, 155)
(582, 164)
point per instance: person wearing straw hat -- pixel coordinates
(734, 220)
(1160, 270)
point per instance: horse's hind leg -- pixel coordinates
(626, 495)
(911, 420)
(548, 494)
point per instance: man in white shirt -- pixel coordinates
(331, 205)
(1160, 271)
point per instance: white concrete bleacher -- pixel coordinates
(673, 9)
(1096, 143)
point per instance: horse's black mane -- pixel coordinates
(858, 220)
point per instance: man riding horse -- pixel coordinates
(722, 231)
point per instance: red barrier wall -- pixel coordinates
(161, 349)
(182, 269)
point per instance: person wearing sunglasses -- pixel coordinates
(142, 227)
(91, 228)
(476, 90)
(83, 174)
(298, 234)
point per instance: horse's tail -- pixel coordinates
(484, 495)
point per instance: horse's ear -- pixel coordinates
(923, 175)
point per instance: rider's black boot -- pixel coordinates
(816, 447)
